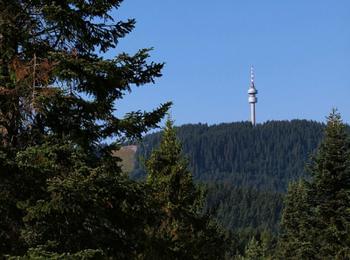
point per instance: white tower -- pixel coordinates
(252, 99)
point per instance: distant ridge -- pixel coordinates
(265, 157)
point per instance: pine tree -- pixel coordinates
(60, 187)
(181, 232)
(316, 218)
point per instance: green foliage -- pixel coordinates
(49, 65)
(181, 232)
(168, 172)
(259, 246)
(253, 250)
(265, 157)
(93, 210)
(40, 254)
(316, 220)
(238, 208)
(296, 224)
(246, 169)
(61, 190)
(63, 193)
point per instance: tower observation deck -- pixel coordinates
(252, 99)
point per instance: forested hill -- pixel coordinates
(265, 157)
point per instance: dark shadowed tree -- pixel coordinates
(60, 187)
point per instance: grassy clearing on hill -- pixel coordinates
(127, 154)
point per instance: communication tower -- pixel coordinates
(252, 99)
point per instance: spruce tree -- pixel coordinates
(330, 191)
(61, 190)
(168, 171)
(296, 224)
(316, 219)
(181, 232)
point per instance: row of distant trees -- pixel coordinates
(266, 157)
(63, 194)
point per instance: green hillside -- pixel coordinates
(246, 169)
(265, 157)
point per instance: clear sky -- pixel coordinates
(300, 50)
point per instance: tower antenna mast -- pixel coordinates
(252, 99)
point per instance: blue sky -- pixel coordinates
(300, 50)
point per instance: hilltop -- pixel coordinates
(266, 157)
(246, 169)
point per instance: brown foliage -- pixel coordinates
(36, 72)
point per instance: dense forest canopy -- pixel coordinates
(245, 169)
(248, 197)
(244, 208)
(265, 157)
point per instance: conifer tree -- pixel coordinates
(181, 232)
(316, 218)
(253, 250)
(168, 171)
(330, 191)
(61, 189)
(297, 225)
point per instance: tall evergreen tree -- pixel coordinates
(316, 218)
(168, 171)
(297, 225)
(60, 187)
(181, 231)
